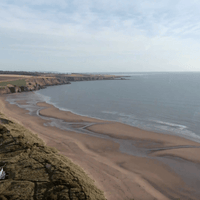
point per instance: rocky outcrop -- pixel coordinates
(32, 85)
(4, 90)
(40, 82)
(37, 172)
(14, 89)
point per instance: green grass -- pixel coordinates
(20, 82)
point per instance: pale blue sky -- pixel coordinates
(100, 35)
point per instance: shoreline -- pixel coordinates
(192, 136)
(117, 173)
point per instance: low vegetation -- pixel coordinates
(19, 83)
(34, 171)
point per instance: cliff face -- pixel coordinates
(37, 83)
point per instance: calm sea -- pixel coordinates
(161, 102)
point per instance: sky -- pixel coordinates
(100, 35)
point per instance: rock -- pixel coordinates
(23, 88)
(12, 89)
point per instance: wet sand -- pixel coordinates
(125, 162)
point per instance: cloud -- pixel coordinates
(59, 3)
(141, 17)
(143, 35)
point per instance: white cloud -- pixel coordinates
(143, 35)
(59, 3)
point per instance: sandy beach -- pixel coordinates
(125, 162)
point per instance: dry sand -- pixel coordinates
(145, 175)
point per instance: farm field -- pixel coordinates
(18, 82)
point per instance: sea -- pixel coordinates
(167, 103)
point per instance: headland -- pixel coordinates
(16, 82)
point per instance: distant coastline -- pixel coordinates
(16, 82)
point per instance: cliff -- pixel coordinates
(39, 82)
(34, 171)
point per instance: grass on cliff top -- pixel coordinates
(36, 171)
(20, 82)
